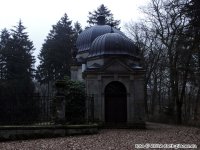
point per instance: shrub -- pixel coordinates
(75, 97)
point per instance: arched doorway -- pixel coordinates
(115, 103)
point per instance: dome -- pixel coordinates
(112, 43)
(86, 37)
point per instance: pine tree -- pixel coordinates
(77, 28)
(4, 47)
(16, 59)
(55, 55)
(193, 9)
(102, 10)
(22, 50)
(17, 72)
(20, 60)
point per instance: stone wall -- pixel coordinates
(96, 84)
(27, 132)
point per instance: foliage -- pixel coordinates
(102, 10)
(17, 61)
(193, 12)
(55, 55)
(16, 72)
(4, 47)
(77, 28)
(75, 101)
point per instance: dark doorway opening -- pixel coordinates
(115, 103)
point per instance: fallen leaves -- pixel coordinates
(113, 139)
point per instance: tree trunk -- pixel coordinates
(179, 112)
(198, 93)
(197, 105)
(154, 96)
(145, 99)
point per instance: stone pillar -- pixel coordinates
(59, 103)
(139, 107)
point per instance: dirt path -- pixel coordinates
(116, 139)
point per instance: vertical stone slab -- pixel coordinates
(60, 110)
(59, 103)
(139, 99)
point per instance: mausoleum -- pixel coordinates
(109, 64)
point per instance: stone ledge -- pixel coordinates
(28, 132)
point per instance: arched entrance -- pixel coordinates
(115, 103)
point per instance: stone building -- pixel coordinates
(109, 64)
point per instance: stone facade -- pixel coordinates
(111, 58)
(132, 79)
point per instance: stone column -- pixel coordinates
(59, 103)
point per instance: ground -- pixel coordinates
(115, 139)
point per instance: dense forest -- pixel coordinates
(169, 40)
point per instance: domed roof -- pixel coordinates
(112, 43)
(86, 37)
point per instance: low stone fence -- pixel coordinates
(28, 132)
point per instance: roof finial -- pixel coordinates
(101, 20)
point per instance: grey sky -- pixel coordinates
(38, 16)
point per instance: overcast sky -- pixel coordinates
(38, 16)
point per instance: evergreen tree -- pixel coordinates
(193, 11)
(102, 10)
(16, 60)
(22, 50)
(4, 42)
(55, 55)
(77, 28)
(17, 71)
(19, 60)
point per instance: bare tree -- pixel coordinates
(168, 51)
(146, 40)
